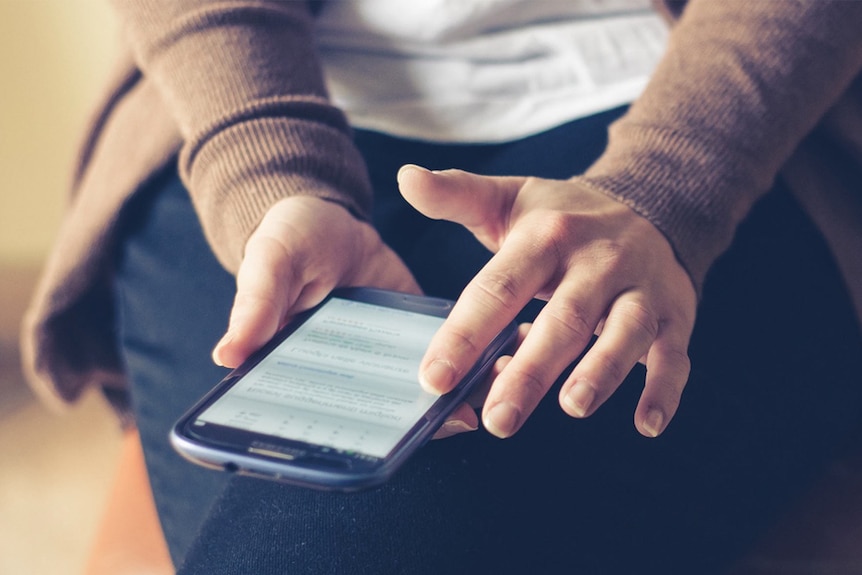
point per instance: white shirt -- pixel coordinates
(484, 70)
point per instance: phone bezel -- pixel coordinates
(313, 465)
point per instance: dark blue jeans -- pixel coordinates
(773, 396)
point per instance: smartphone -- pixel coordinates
(333, 401)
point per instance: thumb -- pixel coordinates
(480, 203)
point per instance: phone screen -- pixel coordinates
(346, 379)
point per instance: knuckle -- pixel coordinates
(679, 361)
(462, 340)
(555, 225)
(531, 384)
(554, 233)
(571, 319)
(610, 367)
(501, 289)
(683, 314)
(639, 317)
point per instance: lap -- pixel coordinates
(770, 399)
(173, 299)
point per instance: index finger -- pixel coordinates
(489, 302)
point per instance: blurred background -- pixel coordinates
(54, 468)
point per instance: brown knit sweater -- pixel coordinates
(746, 89)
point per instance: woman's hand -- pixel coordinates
(603, 269)
(302, 249)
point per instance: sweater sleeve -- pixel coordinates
(244, 85)
(739, 87)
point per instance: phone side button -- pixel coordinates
(327, 462)
(278, 454)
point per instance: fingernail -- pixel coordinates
(459, 426)
(406, 168)
(216, 355)
(653, 422)
(503, 419)
(580, 398)
(438, 377)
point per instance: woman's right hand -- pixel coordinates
(602, 268)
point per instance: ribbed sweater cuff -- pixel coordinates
(237, 174)
(694, 193)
